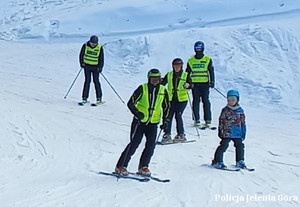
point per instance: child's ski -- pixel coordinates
(249, 169)
(245, 168)
(226, 169)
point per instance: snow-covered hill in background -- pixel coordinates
(50, 148)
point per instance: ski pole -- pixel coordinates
(193, 115)
(73, 83)
(158, 135)
(220, 92)
(113, 88)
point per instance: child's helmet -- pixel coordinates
(234, 93)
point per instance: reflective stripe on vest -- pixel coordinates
(182, 93)
(199, 69)
(91, 55)
(151, 111)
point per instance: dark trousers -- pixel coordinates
(239, 149)
(136, 135)
(176, 109)
(201, 91)
(88, 72)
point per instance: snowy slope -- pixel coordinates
(50, 148)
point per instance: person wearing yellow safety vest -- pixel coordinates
(177, 82)
(200, 69)
(91, 58)
(149, 103)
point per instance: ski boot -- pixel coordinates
(144, 171)
(121, 171)
(241, 164)
(166, 138)
(99, 101)
(207, 124)
(219, 165)
(180, 138)
(197, 124)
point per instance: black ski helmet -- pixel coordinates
(199, 46)
(153, 73)
(177, 61)
(94, 39)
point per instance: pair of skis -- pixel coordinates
(135, 176)
(234, 169)
(168, 143)
(202, 127)
(205, 127)
(92, 104)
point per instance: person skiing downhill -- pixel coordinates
(200, 69)
(91, 58)
(232, 127)
(177, 82)
(148, 104)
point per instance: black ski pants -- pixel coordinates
(200, 91)
(136, 135)
(239, 149)
(176, 109)
(88, 72)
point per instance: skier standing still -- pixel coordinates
(232, 127)
(177, 82)
(200, 69)
(91, 58)
(147, 103)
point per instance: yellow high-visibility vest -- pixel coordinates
(91, 55)
(152, 114)
(182, 92)
(199, 69)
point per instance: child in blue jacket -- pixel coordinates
(232, 127)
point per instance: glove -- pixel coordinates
(139, 116)
(82, 65)
(186, 85)
(212, 84)
(243, 136)
(165, 124)
(99, 70)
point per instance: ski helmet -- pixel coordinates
(233, 93)
(154, 73)
(94, 39)
(177, 61)
(199, 46)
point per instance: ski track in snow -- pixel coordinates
(51, 140)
